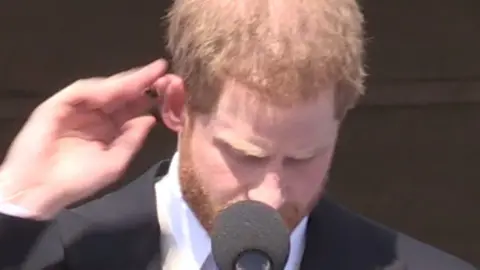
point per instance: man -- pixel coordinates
(259, 91)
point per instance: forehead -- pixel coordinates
(239, 111)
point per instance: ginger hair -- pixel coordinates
(285, 51)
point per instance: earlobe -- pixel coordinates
(173, 104)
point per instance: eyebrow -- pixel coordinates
(240, 145)
(250, 149)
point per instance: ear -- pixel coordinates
(172, 109)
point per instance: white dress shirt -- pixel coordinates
(192, 242)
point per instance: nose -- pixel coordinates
(268, 191)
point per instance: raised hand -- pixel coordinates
(80, 140)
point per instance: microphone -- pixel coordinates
(250, 235)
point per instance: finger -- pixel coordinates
(113, 91)
(134, 83)
(145, 104)
(124, 73)
(134, 133)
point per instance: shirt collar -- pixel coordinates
(191, 238)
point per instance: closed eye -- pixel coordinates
(291, 160)
(250, 158)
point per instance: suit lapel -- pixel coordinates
(322, 249)
(150, 237)
(313, 257)
(155, 263)
(338, 239)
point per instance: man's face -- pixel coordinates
(250, 150)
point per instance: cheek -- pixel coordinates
(213, 171)
(307, 181)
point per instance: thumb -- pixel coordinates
(130, 141)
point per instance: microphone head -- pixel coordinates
(250, 226)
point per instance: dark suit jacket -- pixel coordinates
(120, 231)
